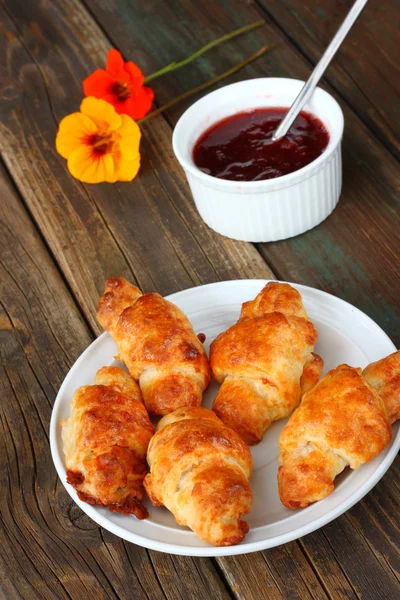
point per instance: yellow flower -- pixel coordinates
(99, 144)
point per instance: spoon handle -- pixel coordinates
(319, 70)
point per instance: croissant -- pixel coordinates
(158, 345)
(199, 470)
(264, 362)
(105, 441)
(343, 421)
(384, 377)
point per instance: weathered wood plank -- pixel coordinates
(84, 25)
(362, 155)
(369, 576)
(173, 582)
(370, 528)
(50, 549)
(285, 565)
(365, 70)
(352, 252)
(375, 523)
(98, 231)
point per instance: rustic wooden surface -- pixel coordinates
(60, 239)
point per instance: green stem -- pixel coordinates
(176, 65)
(207, 84)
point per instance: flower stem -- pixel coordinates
(176, 65)
(207, 84)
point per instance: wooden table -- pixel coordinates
(60, 240)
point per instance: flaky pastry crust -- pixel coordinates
(105, 441)
(341, 422)
(158, 345)
(384, 376)
(264, 362)
(199, 470)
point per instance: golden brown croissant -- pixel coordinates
(264, 362)
(199, 470)
(384, 377)
(105, 442)
(343, 421)
(158, 345)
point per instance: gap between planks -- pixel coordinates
(223, 571)
(93, 333)
(51, 254)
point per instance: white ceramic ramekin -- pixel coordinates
(274, 209)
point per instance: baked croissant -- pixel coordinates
(384, 377)
(199, 470)
(158, 345)
(105, 441)
(264, 362)
(343, 421)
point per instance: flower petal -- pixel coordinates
(115, 63)
(149, 93)
(88, 168)
(119, 105)
(130, 135)
(138, 106)
(72, 132)
(147, 99)
(127, 169)
(98, 84)
(134, 72)
(101, 112)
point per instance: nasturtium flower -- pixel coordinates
(99, 144)
(120, 84)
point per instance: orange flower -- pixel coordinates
(121, 84)
(99, 144)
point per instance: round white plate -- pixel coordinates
(346, 335)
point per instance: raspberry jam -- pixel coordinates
(240, 147)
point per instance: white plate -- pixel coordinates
(346, 335)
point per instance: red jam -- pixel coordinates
(240, 147)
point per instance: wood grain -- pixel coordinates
(365, 72)
(286, 566)
(150, 232)
(353, 253)
(99, 231)
(50, 549)
(344, 256)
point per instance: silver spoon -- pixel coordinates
(310, 85)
